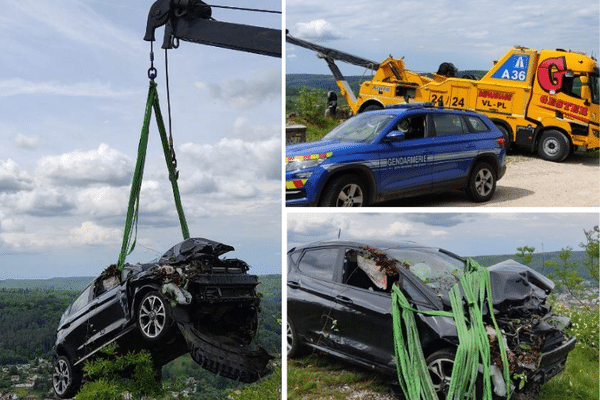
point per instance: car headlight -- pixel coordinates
(302, 165)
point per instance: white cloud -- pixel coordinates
(18, 86)
(102, 201)
(318, 29)
(26, 142)
(45, 201)
(103, 165)
(233, 161)
(245, 94)
(439, 233)
(89, 233)
(12, 179)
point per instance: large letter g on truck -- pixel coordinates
(551, 72)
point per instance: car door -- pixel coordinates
(404, 165)
(363, 314)
(76, 327)
(311, 294)
(453, 150)
(107, 310)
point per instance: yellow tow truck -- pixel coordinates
(545, 101)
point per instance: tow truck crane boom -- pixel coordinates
(191, 20)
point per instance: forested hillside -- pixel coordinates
(29, 317)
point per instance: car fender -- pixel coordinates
(362, 170)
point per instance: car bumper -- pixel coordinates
(553, 362)
(300, 191)
(501, 171)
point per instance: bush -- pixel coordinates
(312, 103)
(585, 328)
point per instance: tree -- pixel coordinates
(525, 253)
(592, 250)
(565, 276)
(113, 374)
(311, 104)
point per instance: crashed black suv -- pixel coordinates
(189, 300)
(339, 303)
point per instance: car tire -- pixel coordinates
(553, 146)
(345, 191)
(293, 345)
(66, 378)
(154, 319)
(440, 364)
(482, 183)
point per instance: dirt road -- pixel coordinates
(530, 182)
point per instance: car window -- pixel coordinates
(82, 300)
(413, 127)
(476, 124)
(435, 269)
(361, 271)
(319, 263)
(448, 124)
(363, 128)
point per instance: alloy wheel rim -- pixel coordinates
(484, 182)
(350, 196)
(61, 377)
(152, 316)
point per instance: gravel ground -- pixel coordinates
(529, 182)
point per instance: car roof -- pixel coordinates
(376, 243)
(411, 108)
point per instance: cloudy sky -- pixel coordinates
(466, 234)
(73, 87)
(470, 34)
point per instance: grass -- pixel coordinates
(320, 377)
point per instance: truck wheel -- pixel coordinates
(372, 107)
(345, 191)
(154, 317)
(482, 183)
(66, 378)
(553, 146)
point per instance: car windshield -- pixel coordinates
(363, 128)
(437, 270)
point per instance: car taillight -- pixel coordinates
(501, 142)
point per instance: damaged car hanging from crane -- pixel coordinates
(190, 300)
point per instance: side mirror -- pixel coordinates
(394, 136)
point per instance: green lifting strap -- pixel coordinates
(473, 348)
(129, 235)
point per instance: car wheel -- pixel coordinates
(553, 146)
(66, 379)
(482, 183)
(440, 364)
(154, 317)
(293, 346)
(345, 191)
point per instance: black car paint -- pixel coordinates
(355, 324)
(221, 292)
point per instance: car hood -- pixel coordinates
(193, 248)
(320, 147)
(516, 284)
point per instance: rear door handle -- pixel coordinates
(343, 300)
(293, 285)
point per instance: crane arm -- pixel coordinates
(191, 20)
(332, 54)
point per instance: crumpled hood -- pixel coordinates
(320, 147)
(193, 248)
(516, 284)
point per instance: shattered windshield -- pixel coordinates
(437, 270)
(364, 128)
